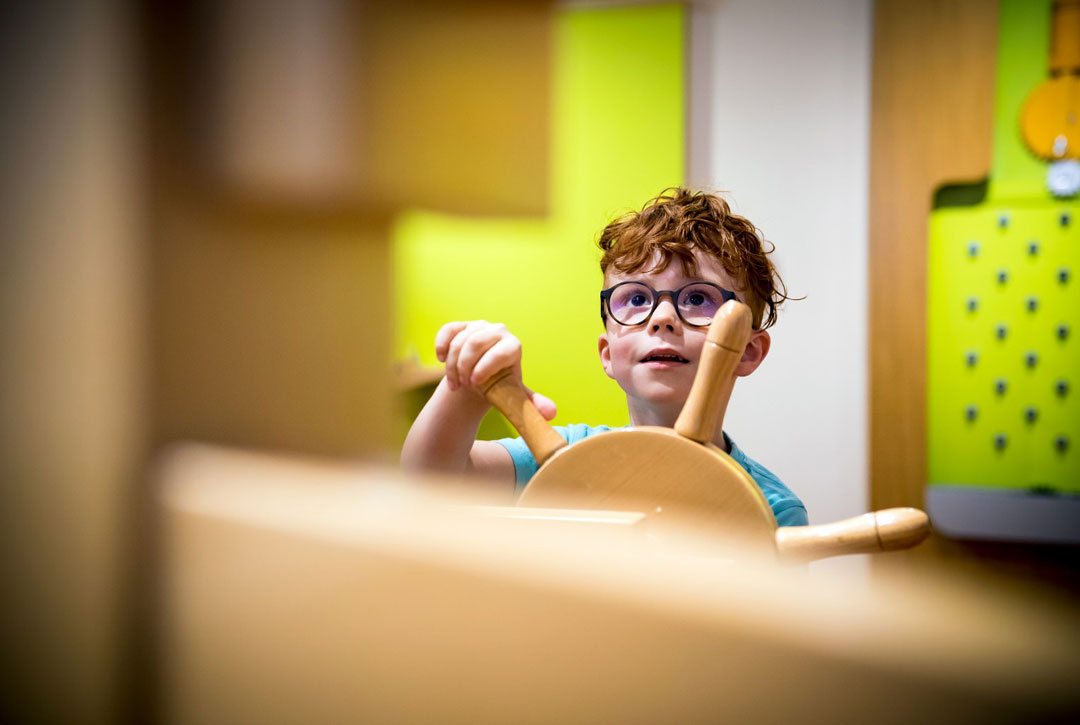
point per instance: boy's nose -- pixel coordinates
(664, 315)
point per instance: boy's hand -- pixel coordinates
(474, 351)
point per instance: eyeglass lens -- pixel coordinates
(632, 303)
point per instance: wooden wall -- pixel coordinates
(932, 113)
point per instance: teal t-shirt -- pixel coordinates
(786, 506)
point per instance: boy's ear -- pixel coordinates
(754, 354)
(605, 355)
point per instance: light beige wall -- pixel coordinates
(780, 95)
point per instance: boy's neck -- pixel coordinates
(665, 417)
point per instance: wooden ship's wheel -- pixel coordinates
(677, 477)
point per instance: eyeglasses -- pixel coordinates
(633, 303)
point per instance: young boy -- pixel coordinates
(667, 269)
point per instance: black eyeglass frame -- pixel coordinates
(658, 294)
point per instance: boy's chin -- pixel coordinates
(665, 395)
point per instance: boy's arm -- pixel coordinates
(443, 437)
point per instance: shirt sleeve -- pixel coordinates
(794, 515)
(525, 466)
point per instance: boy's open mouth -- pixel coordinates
(664, 357)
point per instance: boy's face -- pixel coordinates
(655, 362)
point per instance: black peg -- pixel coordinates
(1063, 275)
(1032, 303)
(971, 412)
(1031, 414)
(973, 249)
(971, 358)
(1033, 248)
(1062, 331)
(1061, 443)
(1003, 220)
(1002, 276)
(1001, 331)
(1061, 387)
(1001, 385)
(972, 304)
(1000, 441)
(1064, 219)
(1031, 358)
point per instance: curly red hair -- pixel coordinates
(680, 220)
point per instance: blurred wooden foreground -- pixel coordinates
(197, 199)
(303, 591)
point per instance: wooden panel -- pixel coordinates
(300, 592)
(72, 363)
(932, 115)
(428, 104)
(459, 112)
(273, 332)
(285, 138)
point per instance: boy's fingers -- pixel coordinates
(453, 351)
(443, 337)
(477, 346)
(506, 352)
(544, 404)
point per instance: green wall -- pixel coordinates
(618, 140)
(1023, 52)
(1004, 304)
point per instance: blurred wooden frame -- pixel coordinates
(285, 137)
(300, 591)
(374, 104)
(932, 116)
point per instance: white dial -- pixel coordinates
(1063, 177)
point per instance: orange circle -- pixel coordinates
(1052, 111)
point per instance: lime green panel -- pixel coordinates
(618, 132)
(1009, 268)
(1004, 303)
(1023, 54)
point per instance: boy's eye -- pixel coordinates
(698, 303)
(638, 300)
(699, 297)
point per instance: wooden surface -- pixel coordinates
(455, 99)
(888, 530)
(73, 372)
(279, 144)
(703, 412)
(1065, 37)
(271, 186)
(674, 480)
(302, 592)
(510, 397)
(932, 111)
(428, 105)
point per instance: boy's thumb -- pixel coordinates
(544, 404)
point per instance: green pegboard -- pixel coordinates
(1003, 376)
(1004, 404)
